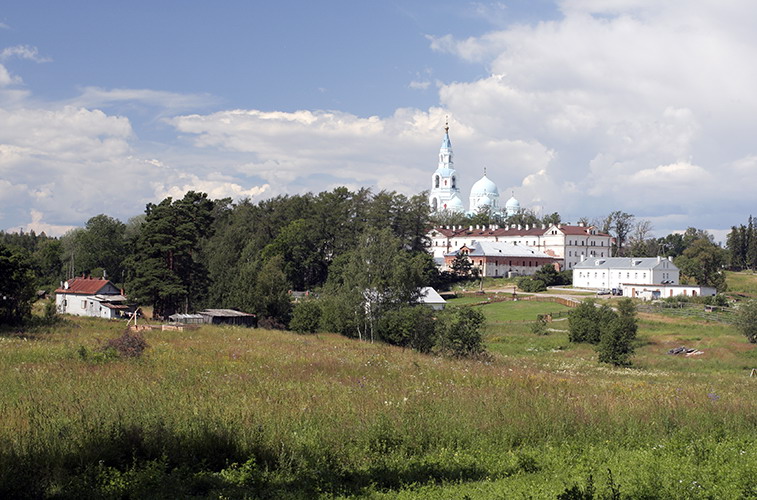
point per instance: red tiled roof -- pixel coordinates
(84, 286)
(510, 231)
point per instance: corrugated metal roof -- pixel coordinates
(502, 249)
(430, 296)
(223, 313)
(623, 263)
(88, 286)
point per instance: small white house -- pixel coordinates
(93, 297)
(430, 297)
(613, 272)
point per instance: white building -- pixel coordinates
(500, 259)
(653, 292)
(622, 272)
(445, 190)
(93, 297)
(565, 242)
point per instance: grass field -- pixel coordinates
(743, 282)
(248, 413)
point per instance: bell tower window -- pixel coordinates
(436, 181)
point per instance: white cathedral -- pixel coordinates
(445, 193)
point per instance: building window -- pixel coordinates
(436, 181)
(83, 304)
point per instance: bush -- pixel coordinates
(746, 320)
(306, 317)
(539, 327)
(531, 285)
(586, 321)
(269, 323)
(458, 332)
(410, 326)
(129, 345)
(616, 343)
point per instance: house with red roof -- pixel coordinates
(567, 243)
(95, 297)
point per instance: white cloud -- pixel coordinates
(23, 52)
(168, 102)
(419, 85)
(217, 186)
(39, 226)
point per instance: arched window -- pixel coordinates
(453, 182)
(436, 181)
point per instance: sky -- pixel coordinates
(580, 107)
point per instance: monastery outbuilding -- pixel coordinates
(94, 297)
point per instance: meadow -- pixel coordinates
(223, 412)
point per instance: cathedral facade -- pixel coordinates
(445, 191)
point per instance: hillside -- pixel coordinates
(256, 413)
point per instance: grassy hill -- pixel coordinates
(246, 413)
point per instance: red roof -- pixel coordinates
(85, 286)
(514, 231)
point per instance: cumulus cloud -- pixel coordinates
(168, 102)
(641, 104)
(39, 226)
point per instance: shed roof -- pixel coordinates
(224, 313)
(430, 296)
(86, 286)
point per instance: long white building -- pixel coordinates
(622, 272)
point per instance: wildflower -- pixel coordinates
(713, 396)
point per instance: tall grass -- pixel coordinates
(241, 412)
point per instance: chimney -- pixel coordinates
(470, 228)
(659, 259)
(670, 258)
(582, 257)
(527, 227)
(519, 228)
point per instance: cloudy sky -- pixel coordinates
(577, 106)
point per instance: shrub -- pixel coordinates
(129, 345)
(616, 343)
(410, 326)
(586, 321)
(746, 320)
(539, 327)
(306, 317)
(531, 285)
(269, 323)
(458, 332)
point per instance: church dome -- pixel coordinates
(455, 204)
(512, 204)
(484, 187)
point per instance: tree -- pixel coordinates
(378, 276)
(746, 320)
(620, 226)
(409, 326)
(458, 332)
(531, 285)
(461, 266)
(272, 292)
(166, 269)
(618, 332)
(586, 320)
(306, 316)
(703, 262)
(17, 281)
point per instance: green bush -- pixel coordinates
(586, 321)
(458, 332)
(616, 344)
(531, 285)
(539, 327)
(746, 320)
(306, 317)
(410, 326)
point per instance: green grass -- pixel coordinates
(742, 282)
(247, 413)
(510, 311)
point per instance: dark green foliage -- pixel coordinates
(166, 270)
(616, 345)
(272, 292)
(746, 320)
(409, 326)
(100, 245)
(586, 321)
(551, 277)
(703, 262)
(17, 290)
(306, 317)
(531, 285)
(462, 267)
(458, 332)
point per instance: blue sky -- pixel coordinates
(577, 106)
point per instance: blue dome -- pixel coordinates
(484, 187)
(513, 203)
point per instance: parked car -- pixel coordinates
(604, 291)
